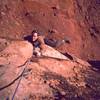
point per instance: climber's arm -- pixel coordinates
(41, 40)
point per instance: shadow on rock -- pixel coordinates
(68, 55)
(28, 38)
(95, 64)
(61, 88)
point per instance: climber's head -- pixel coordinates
(34, 36)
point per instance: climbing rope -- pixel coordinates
(16, 89)
(13, 96)
(18, 77)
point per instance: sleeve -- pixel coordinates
(42, 43)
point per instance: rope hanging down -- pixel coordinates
(13, 96)
(18, 77)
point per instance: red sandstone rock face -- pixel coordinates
(45, 78)
(78, 21)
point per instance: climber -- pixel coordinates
(37, 42)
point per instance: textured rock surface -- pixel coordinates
(51, 52)
(78, 21)
(76, 26)
(45, 78)
(17, 51)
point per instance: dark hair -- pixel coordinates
(34, 31)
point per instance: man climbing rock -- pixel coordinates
(38, 43)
